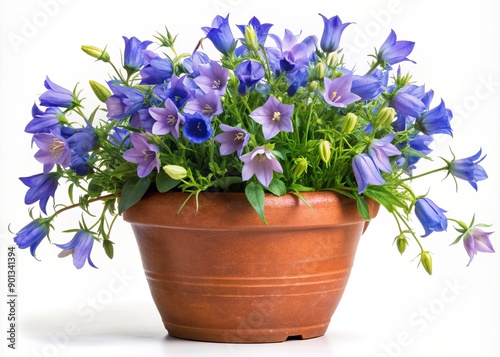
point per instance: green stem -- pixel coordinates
(101, 198)
(424, 174)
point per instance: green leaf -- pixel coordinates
(277, 187)
(95, 188)
(385, 197)
(363, 209)
(226, 181)
(301, 188)
(108, 248)
(255, 195)
(123, 169)
(164, 182)
(132, 192)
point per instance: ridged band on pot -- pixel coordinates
(219, 274)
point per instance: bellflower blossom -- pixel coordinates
(430, 216)
(41, 188)
(333, 28)
(208, 104)
(393, 51)
(56, 96)
(248, 73)
(468, 169)
(167, 119)
(212, 78)
(261, 163)
(124, 101)
(220, 34)
(133, 58)
(435, 121)
(338, 91)
(477, 240)
(80, 246)
(380, 150)
(232, 140)
(274, 117)
(158, 70)
(197, 128)
(366, 172)
(53, 149)
(32, 234)
(44, 122)
(142, 153)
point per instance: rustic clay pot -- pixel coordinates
(221, 275)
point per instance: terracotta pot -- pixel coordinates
(221, 275)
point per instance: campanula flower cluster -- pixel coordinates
(277, 112)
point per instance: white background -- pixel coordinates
(390, 308)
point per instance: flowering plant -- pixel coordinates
(278, 115)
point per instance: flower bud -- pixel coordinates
(426, 260)
(384, 117)
(102, 93)
(175, 171)
(401, 243)
(325, 151)
(333, 59)
(250, 38)
(349, 123)
(319, 71)
(96, 53)
(312, 86)
(300, 167)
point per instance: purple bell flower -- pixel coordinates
(220, 34)
(212, 78)
(366, 172)
(142, 153)
(392, 51)
(261, 163)
(380, 150)
(232, 140)
(477, 240)
(56, 96)
(53, 149)
(41, 188)
(80, 246)
(274, 117)
(133, 58)
(32, 234)
(208, 105)
(468, 169)
(338, 91)
(158, 70)
(167, 120)
(43, 122)
(248, 73)
(197, 128)
(332, 32)
(430, 216)
(124, 102)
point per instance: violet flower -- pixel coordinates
(366, 172)
(261, 30)
(142, 119)
(41, 188)
(80, 246)
(208, 105)
(133, 58)
(248, 73)
(212, 78)
(232, 140)
(177, 91)
(32, 234)
(261, 163)
(435, 121)
(124, 102)
(408, 104)
(56, 96)
(274, 117)
(167, 119)
(220, 34)
(54, 149)
(380, 150)
(43, 122)
(468, 169)
(338, 91)
(158, 70)
(119, 137)
(142, 153)
(392, 51)
(192, 63)
(197, 128)
(477, 240)
(332, 31)
(430, 216)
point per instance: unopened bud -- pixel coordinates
(426, 260)
(349, 123)
(319, 70)
(175, 171)
(101, 92)
(100, 55)
(401, 243)
(384, 117)
(250, 39)
(333, 59)
(312, 86)
(325, 151)
(300, 167)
